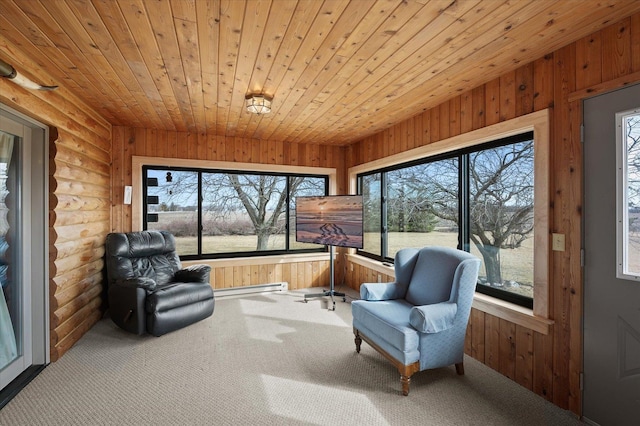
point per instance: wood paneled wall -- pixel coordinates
(79, 203)
(550, 364)
(81, 190)
(128, 142)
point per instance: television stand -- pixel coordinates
(331, 292)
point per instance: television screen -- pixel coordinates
(334, 220)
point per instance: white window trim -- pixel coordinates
(539, 123)
(622, 211)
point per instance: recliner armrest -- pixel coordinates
(433, 318)
(140, 282)
(381, 291)
(193, 274)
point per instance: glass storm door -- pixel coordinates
(23, 314)
(12, 295)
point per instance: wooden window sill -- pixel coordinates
(260, 260)
(511, 312)
(375, 265)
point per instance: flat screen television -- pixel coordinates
(333, 220)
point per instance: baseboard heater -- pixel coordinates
(259, 288)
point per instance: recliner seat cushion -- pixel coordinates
(162, 322)
(174, 295)
(390, 320)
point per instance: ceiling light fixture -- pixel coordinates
(258, 104)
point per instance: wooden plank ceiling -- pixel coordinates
(338, 70)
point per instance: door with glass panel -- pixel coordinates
(10, 281)
(612, 258)
(23, 311)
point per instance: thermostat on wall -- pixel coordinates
(127, 194)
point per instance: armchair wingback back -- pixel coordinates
(148, 290)
(432, 275)
(419, 321)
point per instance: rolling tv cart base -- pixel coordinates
(331, 292)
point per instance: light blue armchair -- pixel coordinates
(419, 321)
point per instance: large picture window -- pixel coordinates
(478, 199)
(222, 213)
(628, 143)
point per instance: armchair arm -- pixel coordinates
(140, 282)
(433, 318)
(193, 273)
(381, 291)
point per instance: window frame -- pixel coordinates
(160, 163)
(539, 123)
(622, 203)
(463, 199)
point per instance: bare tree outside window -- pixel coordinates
(633, 156)
(501, 203)
(371, 195)
(631, 135)
(176, 210)
(240, 212)
(422, 205)
(256, 200)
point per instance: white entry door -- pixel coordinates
(23, 246)
(612, 243)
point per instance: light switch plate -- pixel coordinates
(557, 242)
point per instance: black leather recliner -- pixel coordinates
(148, 290)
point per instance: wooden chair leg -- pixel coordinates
(405, 381)
(460, 368)
(406, 371)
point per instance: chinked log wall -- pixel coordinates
(550, 365)
(128, 142)
(79, 203)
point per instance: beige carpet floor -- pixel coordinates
(262, 359)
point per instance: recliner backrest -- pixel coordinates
(148, 254)
(433, 275)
